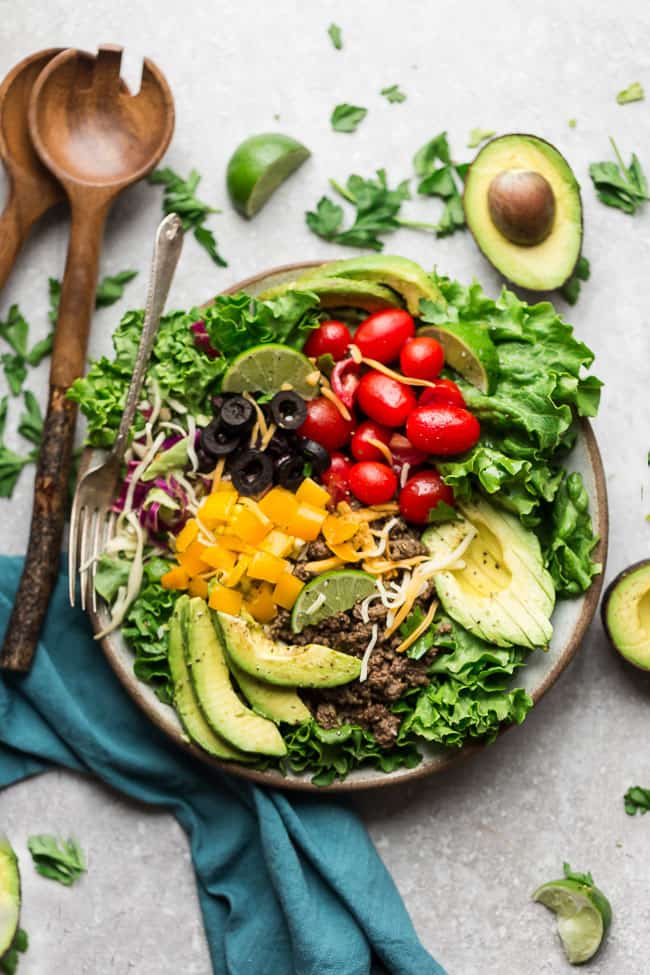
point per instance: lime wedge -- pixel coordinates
(258, 166)
(583, 914)
(341, 589)
(470, 351)
(266, 368)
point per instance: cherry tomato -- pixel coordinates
(330, 338)
(383, 334)
(345, 380)
(325, 425)
(360, 448)
(422, 358)
(384, 399)
(404, 452)
(442, 428)
(373, 483)
(420, 494)
(337, 477)
(445, 390)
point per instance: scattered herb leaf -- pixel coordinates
(64, 863)
(393, 94)
(9, 961)
(111, 288)
(31, 422)
(633, 93)
(346, 118)
(618, 185)
(376, 206)
(585, 879)
(477, 136)
(442, 512)
(179, 197)
(439, 177)
(637, 800)
(11, 463)
(54, 291)
(336, 36)
(571, 288)
(572, 123)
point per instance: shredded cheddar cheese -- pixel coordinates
(333, 398)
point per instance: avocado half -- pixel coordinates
(522, 205)
(626, 614)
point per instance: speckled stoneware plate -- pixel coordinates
(570, 620)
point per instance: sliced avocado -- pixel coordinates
(222, 708)
(500, 590)
(339, 292)
(522, 205)
(272, 702)
(311, 665)
(185, 700)
(626, 614)
(405, 277)
(9, 895)
(470, 351)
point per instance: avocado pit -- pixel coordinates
(521, 204)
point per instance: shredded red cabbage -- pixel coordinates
(202, 340)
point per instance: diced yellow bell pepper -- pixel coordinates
(198, 587)
(265, 566)
(337, 529)
(249, 524)
(192, 558)
(219, 557)
(310, 492)
(306, 522)
(186, 535)
(233, 543)
(234, 576)
(277, 543)
(225, 600)
(176, 578)
(217, 507)
(279, 505)
(286, 590)
(260, 603)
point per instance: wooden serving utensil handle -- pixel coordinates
(15, 224)
(51, 487)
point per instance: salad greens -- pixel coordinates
(393, 94)
(346, 118)
(62, 861)
(180, 197)
(637, 800)
(618, 185)
(147, 622)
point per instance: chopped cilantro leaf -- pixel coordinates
(633, 93)
(637, 800)
(477, 136)
(64, 863)
(11, 463)
(54, 291)
(336, 36)
(346, 118)
(572, 123)
(442, 512)
(393, 94)
(31, 422)
(439, 176)
(110, 289)
(579, 878)
(179, 197)
(376, 207)
(571, 288)
(618, 185)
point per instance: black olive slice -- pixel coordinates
(237, 415)
(315, 454)
(290, 471)
(251, 472)
(217, 442)
(288, 410)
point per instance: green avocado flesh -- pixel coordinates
(312, 665)
(498, 589)
(220, 704)
(626, 614)
(185, 700)
(272, 702)
(543, 266)
(339, 293)
(9, 895)
(402, 276)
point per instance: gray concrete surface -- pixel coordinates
(467, 848)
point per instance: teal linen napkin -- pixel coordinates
(286, 885)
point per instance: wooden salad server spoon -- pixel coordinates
(32, 189)
(96, 139)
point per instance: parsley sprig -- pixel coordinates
(180, 197)
(618, 185)
(440, 176)
(64, 863)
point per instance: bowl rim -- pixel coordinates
(273, 778)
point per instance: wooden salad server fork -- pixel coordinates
(96, 139)
(33, 190)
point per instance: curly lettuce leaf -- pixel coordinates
(238, 322)
(146, 627)
(570, 540)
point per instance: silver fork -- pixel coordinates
(90, 521)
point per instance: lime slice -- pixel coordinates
(470, 351)
(341, 589)
(266, 368)
(258, 166)
(583, 914)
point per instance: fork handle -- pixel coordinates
(166, 252)
(51, 486)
